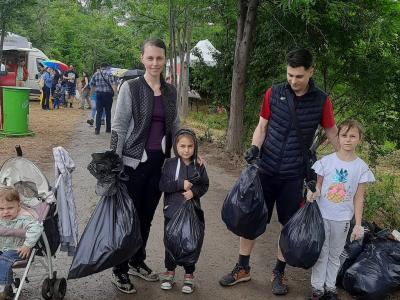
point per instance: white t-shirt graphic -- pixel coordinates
(341, 179)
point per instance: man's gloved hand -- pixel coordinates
(357, 233)
(251, 154)
(311, 196)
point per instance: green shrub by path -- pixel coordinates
(211, 120)
(382, 201)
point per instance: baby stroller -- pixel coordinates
(37, 195)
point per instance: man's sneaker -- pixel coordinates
(167, 280)
(188, 284)
(123, 283)
(143, 271)
(238, 274)
(278, 285)
(331, 295)
(90, 122)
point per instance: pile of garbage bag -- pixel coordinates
(370, 269)
(112, 234)
(244, 210)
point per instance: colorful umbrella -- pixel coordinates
(55, 64)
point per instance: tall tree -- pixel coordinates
(245, 28)
(10, 9)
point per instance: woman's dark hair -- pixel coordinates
(154, 42)
(299, 57)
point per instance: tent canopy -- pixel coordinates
(206, 50)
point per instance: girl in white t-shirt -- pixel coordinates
(341, 184)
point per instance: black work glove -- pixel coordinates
(252, 154)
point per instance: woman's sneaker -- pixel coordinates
(238, 274)
(143, 271)
(167, 280)
(123, 283)
(188, 284)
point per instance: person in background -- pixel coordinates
(104, 84)
(85, 91)
(22, 73)
(57, 95)
(47, 78)
(70, 78)
(92, 115)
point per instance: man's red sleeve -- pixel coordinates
(265, 108)
(328, 120)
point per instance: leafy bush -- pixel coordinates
(382, 202)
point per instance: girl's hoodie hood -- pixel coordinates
(191, 133)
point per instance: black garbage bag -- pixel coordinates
(244, 210)
(376, 272)
(349, 255)
(303, 236)
(353, 249)
(106, 167)
(111, 236)
(184, 234)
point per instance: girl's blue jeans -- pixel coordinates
(7, 259)
(93, 112)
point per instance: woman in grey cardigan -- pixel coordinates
(145, 122)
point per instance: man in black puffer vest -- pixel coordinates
(275, 141)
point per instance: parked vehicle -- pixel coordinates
(16, 48)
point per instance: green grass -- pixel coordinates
(211, 120)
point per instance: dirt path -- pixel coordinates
(220, 249)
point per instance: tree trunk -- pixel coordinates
(172, 60)
(185, 75)
(3, 35)
(245, 28)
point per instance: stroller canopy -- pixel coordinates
(27, 178)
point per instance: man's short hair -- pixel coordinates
(104, 65)
(299, 57)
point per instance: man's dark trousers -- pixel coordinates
(104, 101)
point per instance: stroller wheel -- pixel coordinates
(47, 289)
(60, 288)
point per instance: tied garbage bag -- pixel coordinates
(349, 255)
(111, 236)
(184, 234)
(303, 236)
(105, 167)
(353, 249)
(376, 272)
(244, 210)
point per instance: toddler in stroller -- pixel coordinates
(33, 225)
(14, 248)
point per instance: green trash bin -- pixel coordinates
(15, 111)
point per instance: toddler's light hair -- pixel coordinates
(9, 194)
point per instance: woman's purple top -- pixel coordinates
(157, 128)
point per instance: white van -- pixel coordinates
(16, 47)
